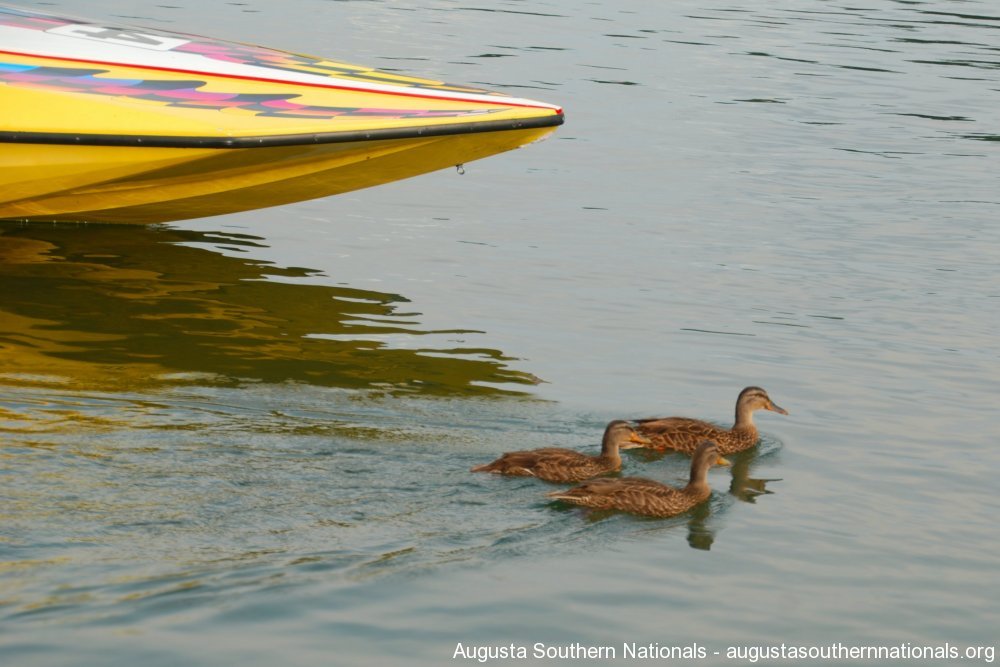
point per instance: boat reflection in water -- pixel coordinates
(129, 308)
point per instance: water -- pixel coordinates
(244, 440)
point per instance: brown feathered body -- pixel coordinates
(555, 464)
(683, 434)
(647, 497)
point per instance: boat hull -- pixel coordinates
(132, 184)
(128, 135)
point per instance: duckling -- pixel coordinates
(555, 464)
(647, 497)
(683, 434)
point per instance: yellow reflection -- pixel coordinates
(129, 308)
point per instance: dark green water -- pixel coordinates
(245, 440)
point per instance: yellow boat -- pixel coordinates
(109, 124)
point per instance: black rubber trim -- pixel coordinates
(155, 141)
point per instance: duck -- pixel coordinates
(682, 434)
(647, 497)
(555, 464)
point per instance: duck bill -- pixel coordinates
(723, 462)
(774, 407)
(635, 441)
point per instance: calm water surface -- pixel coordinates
(244, 440)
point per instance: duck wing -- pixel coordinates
(637, 495)
(677, 433)
(549, 463)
